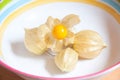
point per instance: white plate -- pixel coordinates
(92, 17)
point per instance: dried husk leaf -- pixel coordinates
(33, 43)
(70, 20)
(66, 60)
(88, 44)
(51, 22)
(43, 30)
(53, 44)
(69, 40)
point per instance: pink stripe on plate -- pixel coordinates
(72, 78)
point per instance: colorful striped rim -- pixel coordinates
(10, 9)
(72, 78)
(114, 3)
(4, 3)
(37, 3)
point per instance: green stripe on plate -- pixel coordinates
(3, 3)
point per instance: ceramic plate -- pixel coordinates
(101, 16)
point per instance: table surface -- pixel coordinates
(8, 75)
